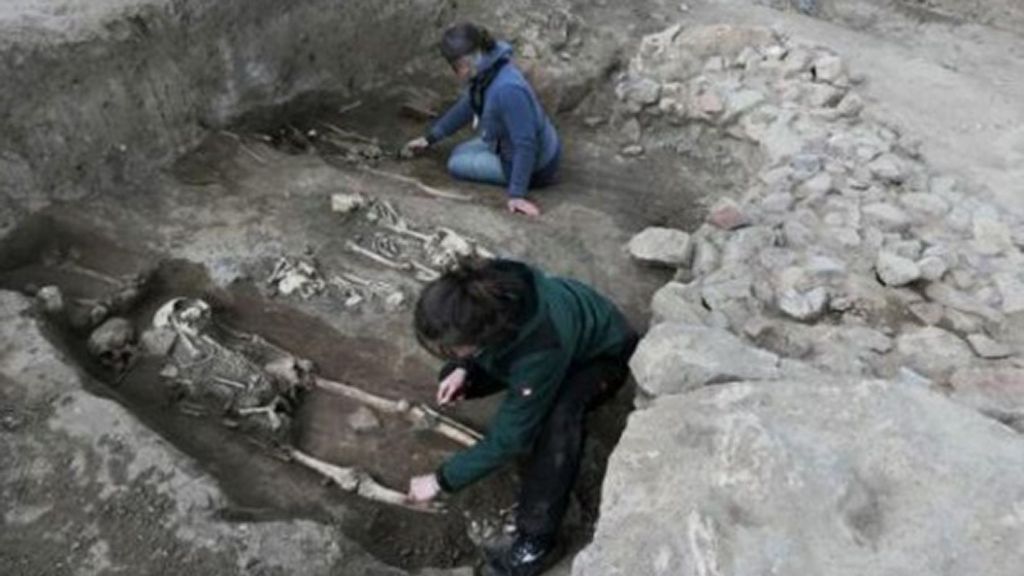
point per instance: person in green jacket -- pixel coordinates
(558, 348)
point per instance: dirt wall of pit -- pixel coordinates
(99, 96)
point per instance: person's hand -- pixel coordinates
(523, 206)
(423, 489)
(414, 147)
(452, 387)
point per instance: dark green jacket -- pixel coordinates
(566, 323)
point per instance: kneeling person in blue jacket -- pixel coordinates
(557, 348)
(516, 144)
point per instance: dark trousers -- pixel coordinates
(555, 459)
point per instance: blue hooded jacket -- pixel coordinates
(512, 121)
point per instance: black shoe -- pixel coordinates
(525, 557)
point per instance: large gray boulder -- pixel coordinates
(826, 479)
(676, 357)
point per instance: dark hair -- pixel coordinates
(465, 38)
(477, 303)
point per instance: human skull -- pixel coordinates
(113, 343)
(188, 315)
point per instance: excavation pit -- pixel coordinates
(250, 461)
(250, 195)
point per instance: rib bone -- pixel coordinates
(383, 260)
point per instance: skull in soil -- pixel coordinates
(185, 315)
(113, 343)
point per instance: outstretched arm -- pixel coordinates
(460, 114)
(515, 425)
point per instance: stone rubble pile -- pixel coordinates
(845, 254)
(832, 383)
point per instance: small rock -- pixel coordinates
(804, 306)
(714, 64)
(948, 296)
(777, 177)
(992, 237)
(594, 121)
(748, 57)
(909, 249)
(824, 95)
(632, 151)
(727, 215)
(158, 341)
(825, 268)
(706, 258)
(846, 236)
(662, 246)
(1011, 288)
(775, 52)
(850, 106)
(51, 299)
(926, 205)
(805, 166)
(756, 326)
(818, 186)
(841, 303)
(864, 338)
(363, 420)
(944, 186)
(929, 313)
(797, 62)
(798, 232)
(643, 91)
(932, 268)
(933, 352)
(726, 288)
(671, 303)
(347, 203)
(778, 202)
(673, 107)
(807, 7)
(885, 216)
(631, 131)
(986, 347)
(743, 101)
(888, 168)
(828, 68)
(710, 104)
(746, 243)
(895, 270)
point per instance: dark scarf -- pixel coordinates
(479, 84)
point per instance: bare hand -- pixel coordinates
(423, 488)
(523, 206)
(452, 387)
(414, 147)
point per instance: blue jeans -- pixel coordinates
(473, 160)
